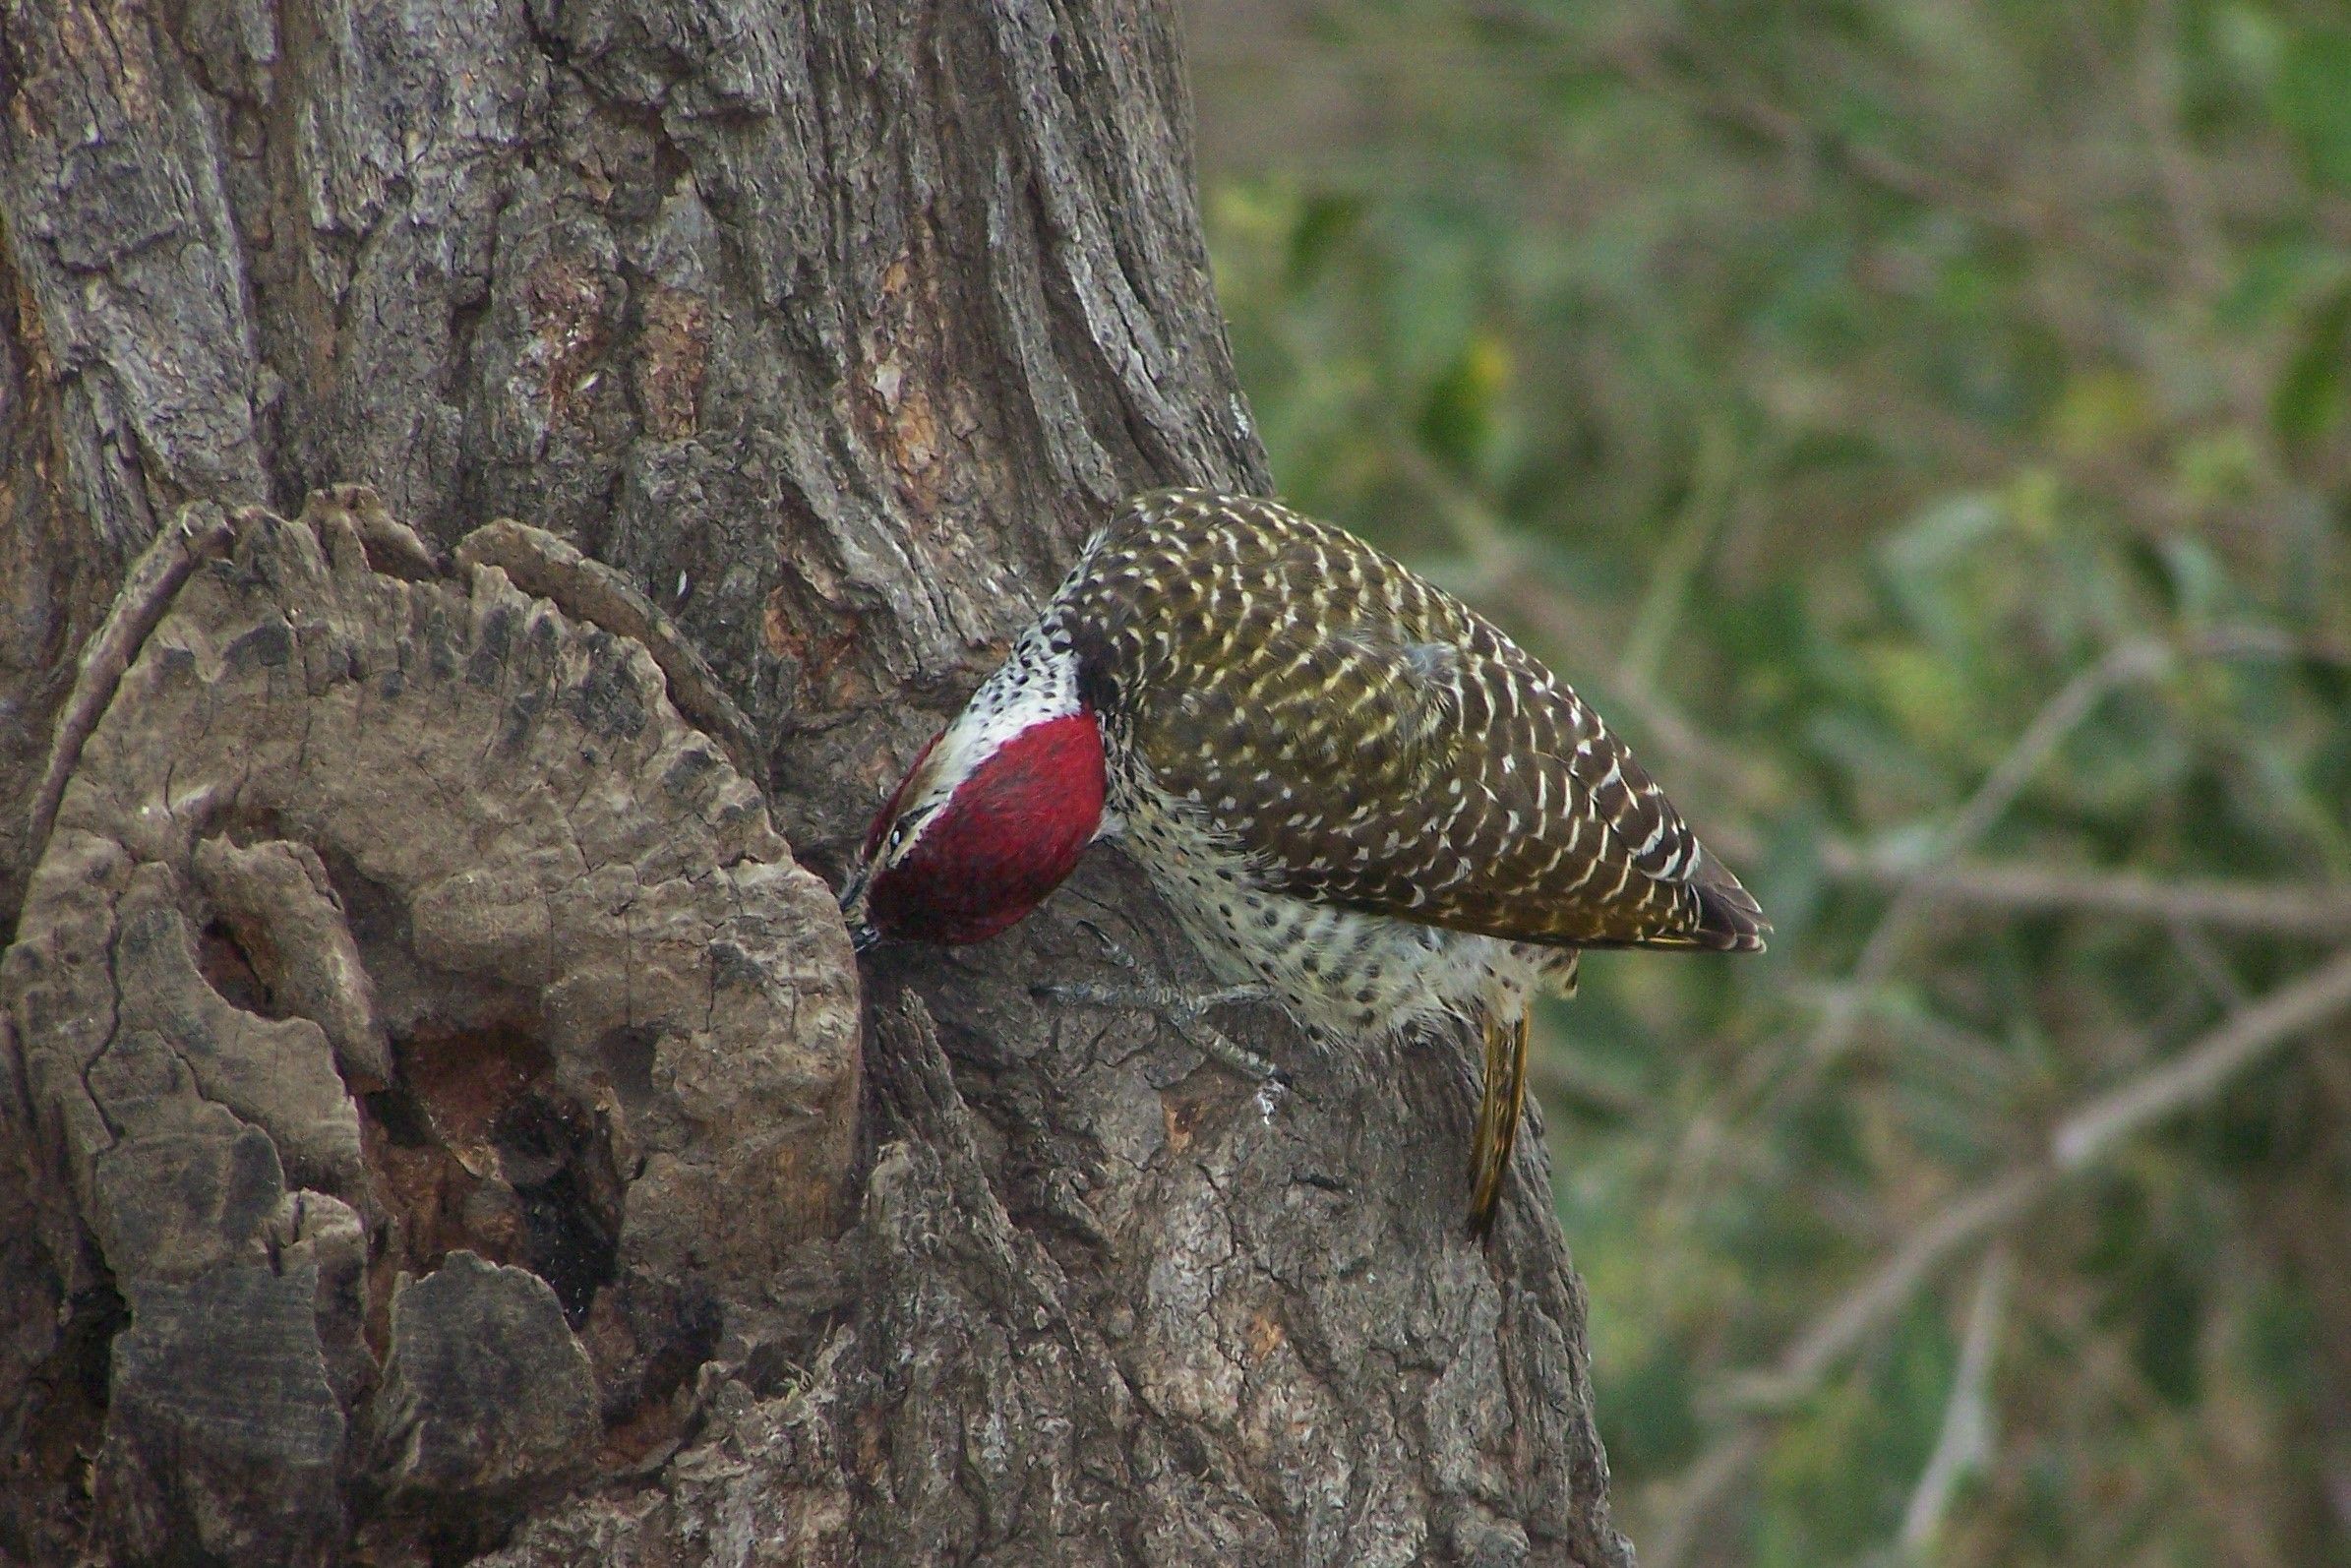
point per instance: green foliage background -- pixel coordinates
(1923, 427)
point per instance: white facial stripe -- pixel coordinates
(1036, 684)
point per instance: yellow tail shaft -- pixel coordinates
(1499, 1107)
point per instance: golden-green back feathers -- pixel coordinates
(1371, 742)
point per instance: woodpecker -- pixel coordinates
(1359, 797)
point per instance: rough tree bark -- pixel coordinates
(441, 1113)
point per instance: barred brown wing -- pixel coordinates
(1369, 742)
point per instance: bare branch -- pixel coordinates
(2078, 1143)
(2284, 908)
(1708, 1482)
(2139, 659)
(197, 535)
(2201, 1071)
(1958, 1227)
(1713, 482)
(2044, 223)
(2127, 663)
(1964, 1443)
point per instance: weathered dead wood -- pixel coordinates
(389, 930)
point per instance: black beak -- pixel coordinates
(863, 938)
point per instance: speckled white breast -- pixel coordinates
(1343, 974)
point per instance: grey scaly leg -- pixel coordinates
(1183, 1009)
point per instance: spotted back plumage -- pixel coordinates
(1367, 740)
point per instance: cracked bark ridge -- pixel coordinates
(426, 1049)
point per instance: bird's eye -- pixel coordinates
(904, 829)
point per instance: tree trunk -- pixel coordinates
(442, 1115)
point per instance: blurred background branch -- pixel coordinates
(1925, 431)
(2314, 910)
(2091, 1133)
(1964, 1447)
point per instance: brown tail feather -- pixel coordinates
(1500, 1108)
(1729, 919)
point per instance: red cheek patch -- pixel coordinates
(1008, 837)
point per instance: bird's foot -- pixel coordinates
(1183, 1010)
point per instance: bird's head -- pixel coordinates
(991, 818)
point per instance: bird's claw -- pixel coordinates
(1185, 1010)
(1112, 948)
